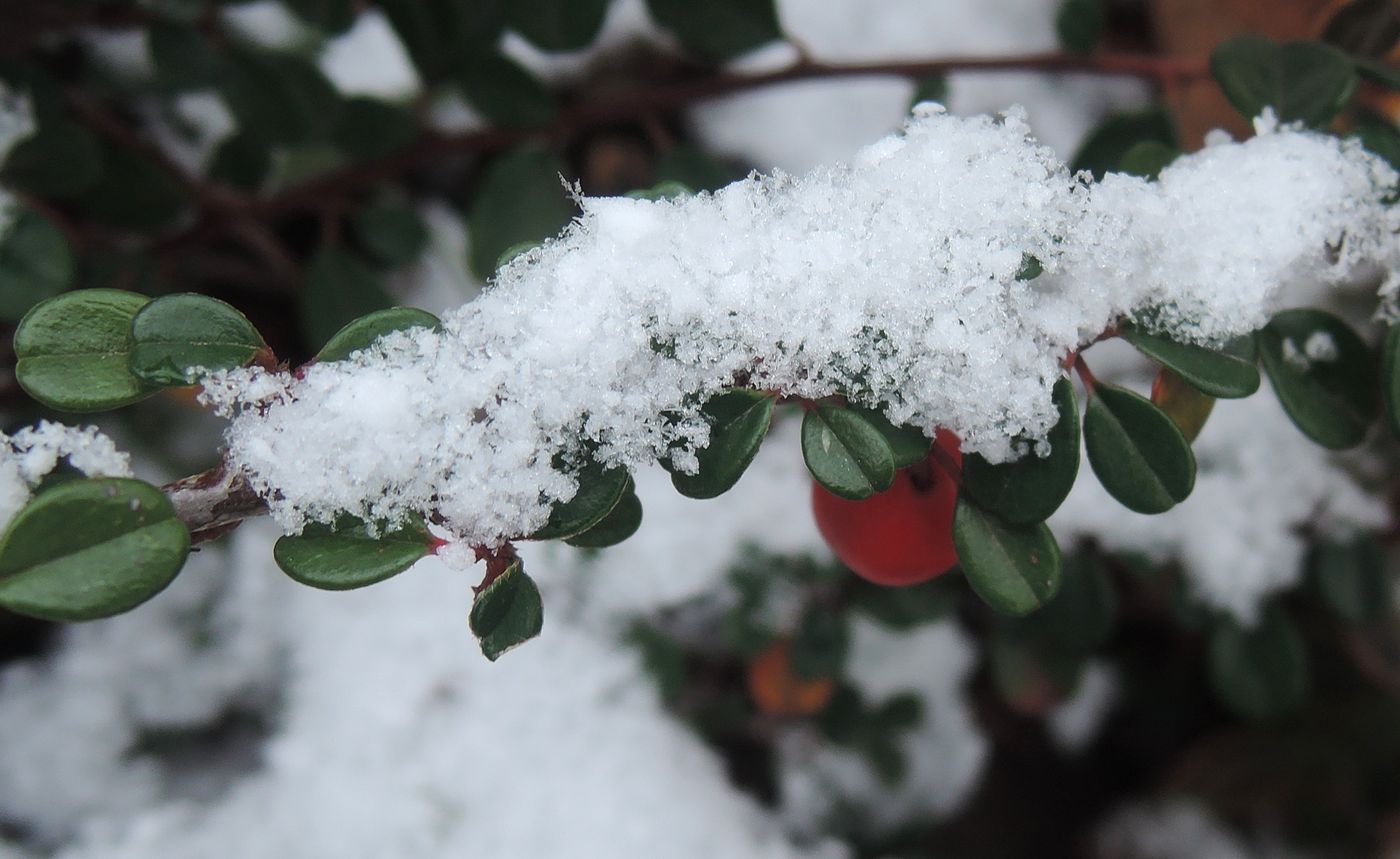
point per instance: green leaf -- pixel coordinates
(600, 489)
(1184, 404)
(819, 645)
(330, 16)
(73, 350)
(1261, 672)
(1031, 488)
(370, 128)
(61, 159)
(908, 444)
(1378, 71)
(557, 25)
(505, 91)
(1218, 374)
(1107, 145)
(845, 453)
(1148, 158)
(391, 233)
(363, 332)
(1380, 138)
(90, 548)
(132, 193)
(183, 59)
(1031, 267)
(907, 606)
(520, 199)
(1014, 568)
(1323, 373)
(932, 88)
(507, 613)
(1390, 377)
(278, 98)
(1364, 28)
(719, 29)
(1305, 81)
(36, 262)
(176, 333)
(338, 290)
(242, 162)
(345, 556)
(739, 421)
(617, 526)
(1353, 578)
(1080, 23)
(1080, 618)
(1139, 455)
(437, 33)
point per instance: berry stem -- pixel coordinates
(1085, 374)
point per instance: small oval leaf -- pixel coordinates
(1323, 373)
(72, 350)
(1184, 404)
(507, 613)
(908, 444)
(87, 549)
(621, 523)
(1260, 672)
(739, 421)
(1353, 578)
(1305, 81)
(36, 262)
(345, 556)
(1218, 374)
(1014, 568)
(599, 491)
(1137, 452)
(845, 453)
(363, 332)
(1033, 487)
(175, 334)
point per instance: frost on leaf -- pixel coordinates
(891, 280)
(31, 454)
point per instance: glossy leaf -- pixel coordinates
(622, 522)
(1139, 455)
(505, 91)
(363, 332)
(1105, 147)
(176, 333)
(86, 549)
(1031, 488)
(600, 489)
(1184, 404)
(908, 444)
(1014, 568)
(845, 453)
(1148, 158)
(507, 613)
(1306, 81)
(36, 262)
(1259, 672)
(1080, 23)
(393, 234)
(346, 556)
(520, 199)
(557, 25)
(72, 350)
(338, 290)
(60, 159)
(1353, 578)
(1323, 373)
(719, 29)
(1218, 374)
(739, 421)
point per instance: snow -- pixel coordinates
(1180, 829)
(1074, 723)
(891, 279)
(16, 123)
(30, 454)
(368, 59)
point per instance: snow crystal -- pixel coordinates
(892, 280)
(29, 455)
(1320, 347)
(1261, 488)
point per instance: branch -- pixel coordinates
(214, 502)
(666, 98)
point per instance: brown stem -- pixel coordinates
(497, 562)
(214, 502)
(1085, 375)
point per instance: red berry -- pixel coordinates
(903, 535)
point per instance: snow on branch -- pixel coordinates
(892, 280)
